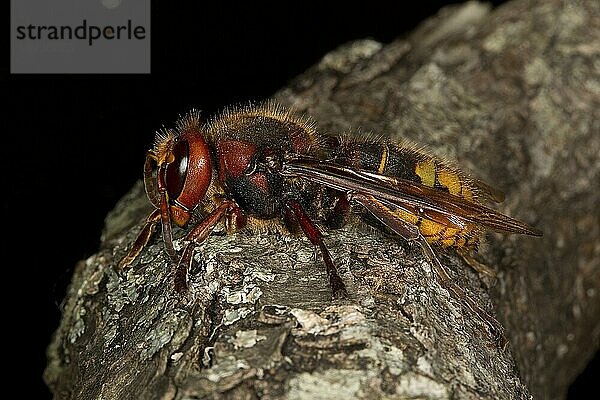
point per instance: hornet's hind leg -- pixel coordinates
(383, 212)
(479, 267)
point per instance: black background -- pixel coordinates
(76, 142)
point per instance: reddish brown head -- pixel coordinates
(184, 174)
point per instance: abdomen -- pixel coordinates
(409, 163)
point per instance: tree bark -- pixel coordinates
(512, 94)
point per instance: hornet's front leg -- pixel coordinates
(142, 239)
(197, 236)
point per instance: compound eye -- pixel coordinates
(177, 170)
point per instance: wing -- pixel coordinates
(489, 192)
(436, 205)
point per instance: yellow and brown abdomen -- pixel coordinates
(406, 162)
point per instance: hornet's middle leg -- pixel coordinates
(313, 234)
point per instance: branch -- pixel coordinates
(508, 93)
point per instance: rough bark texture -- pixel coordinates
(514, 96)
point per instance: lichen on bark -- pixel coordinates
(513, 95)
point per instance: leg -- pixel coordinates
(479, 267)
(338, 216)
(314, 235)
(235, 219)
(458, 293)
(196, 236)
(142, 239)
(411, 232)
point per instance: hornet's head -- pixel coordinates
(182, 160)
